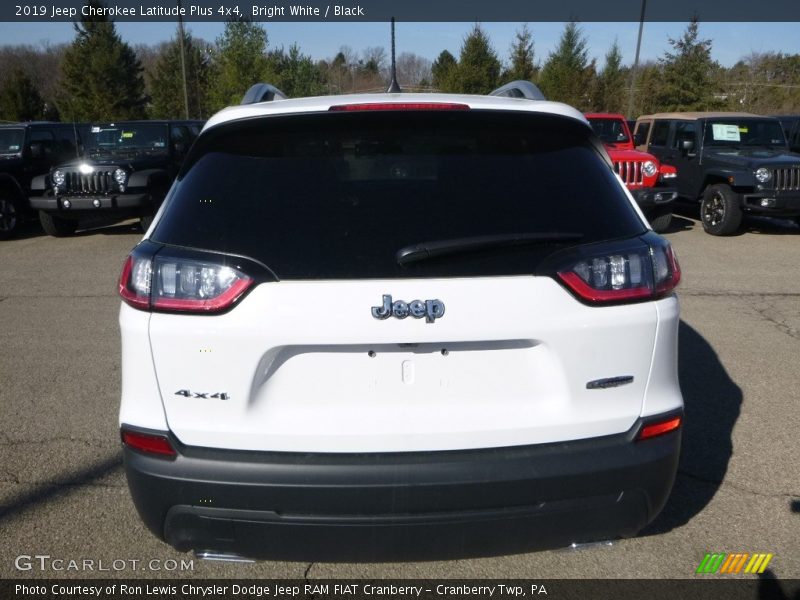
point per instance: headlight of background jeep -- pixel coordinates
(763, 175)
(649, 168)
(58, 178)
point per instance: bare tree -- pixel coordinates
(413, 71)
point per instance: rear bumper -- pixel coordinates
(98, 203)
(404, 506)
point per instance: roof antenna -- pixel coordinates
(394, 87)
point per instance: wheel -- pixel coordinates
(56, 226)
(9, 217)
(661, 222)
(145, 222)
(720, 211)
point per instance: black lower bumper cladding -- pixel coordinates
(404, 506)
(100, 203)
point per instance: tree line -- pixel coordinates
(100, 77)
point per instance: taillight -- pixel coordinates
(652, 430)
(621, 273)
(179, 284)
(149, 443)
(398, 106)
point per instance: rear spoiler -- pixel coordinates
(519, 89)
(262, 92)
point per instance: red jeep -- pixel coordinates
(647, 180)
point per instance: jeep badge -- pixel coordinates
(430, 309)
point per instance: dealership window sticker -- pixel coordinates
(724, 132)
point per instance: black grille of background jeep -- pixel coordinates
(630, 171)
(786, 179)
(97, 182)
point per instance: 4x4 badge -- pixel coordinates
(430, 309)
(206, 395)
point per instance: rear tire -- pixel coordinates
(56, 226)
(661, 222)
(720, 211)
(9, 217)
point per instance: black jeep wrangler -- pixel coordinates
(28, 150)
(125, 170)
(734, 163)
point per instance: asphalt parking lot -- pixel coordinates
(63, 492)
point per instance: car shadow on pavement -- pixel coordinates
(677, 224)
(771, 588)
(712, 406)
(27, 229)
(60, 486)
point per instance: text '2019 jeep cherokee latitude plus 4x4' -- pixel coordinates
(378, 327)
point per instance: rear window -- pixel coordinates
(336, 195)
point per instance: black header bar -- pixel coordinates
(409, 10)
(712, 587)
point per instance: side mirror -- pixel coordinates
(687, 146)
(36, 149)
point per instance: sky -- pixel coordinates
(732, 41)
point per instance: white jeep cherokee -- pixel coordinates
(398, 326)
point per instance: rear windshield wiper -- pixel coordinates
(426, 250)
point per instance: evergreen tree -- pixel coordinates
(166, 84)
(19, 98)
(239, 61)
(442, 70)
(101, 75)
(567, 75)
(296, 74)
(688, 72)
(648, 89)
(522, 65)
(478, 69)
(610, 88)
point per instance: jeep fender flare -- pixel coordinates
(9, 183)
(741, 178)
(40, 183)
(149, 178)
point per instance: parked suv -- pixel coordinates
(649, 182)
(733, 163)
(28, 150)
(125, 171)
(387, 326)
